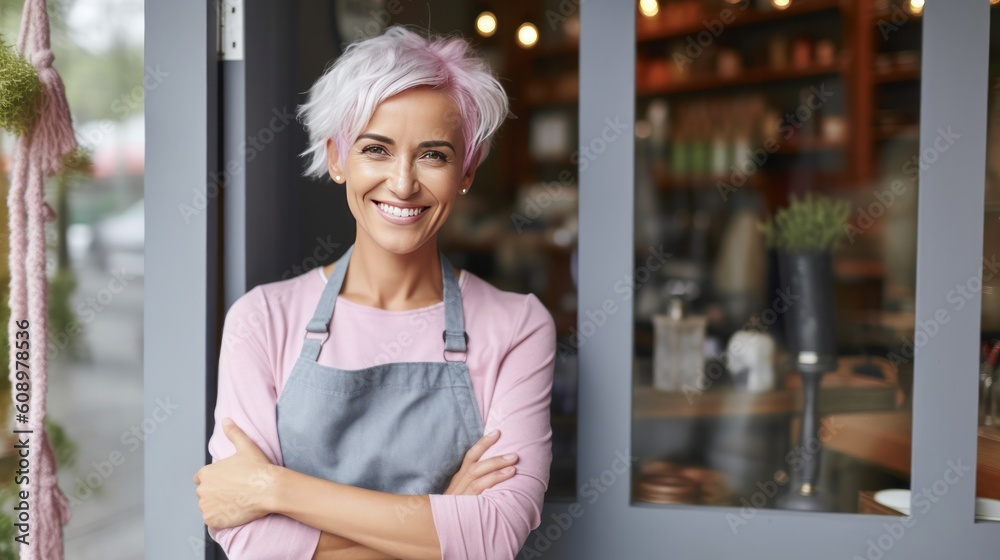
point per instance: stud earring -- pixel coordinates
(337, 178)
(465, 191)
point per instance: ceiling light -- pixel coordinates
(486, 24)
(527, 35)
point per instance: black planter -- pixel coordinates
(811, 336)
(810, 328)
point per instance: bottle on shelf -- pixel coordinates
(701, 145)
(680, 148)
(678, 351)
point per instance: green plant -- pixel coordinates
(8, 546)
(64, 448)
(20, 91)
(813, 224)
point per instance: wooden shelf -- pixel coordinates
(759, 180)
(749, 76)
(877, 15)
(909, 132)
(845, 269)
(742, 18)
(671, 183)
(988, 463)
(809, 146)
(901, 322)
(840, 394)
(904, 75)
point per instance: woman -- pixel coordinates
(360, 433)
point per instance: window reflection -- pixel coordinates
(804, 112)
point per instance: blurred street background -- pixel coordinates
(96, 275)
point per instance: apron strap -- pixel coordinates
(455, 337)
(320, 322)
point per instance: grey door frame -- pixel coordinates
(180, 314)
(185, 277)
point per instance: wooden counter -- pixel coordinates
(867, 504)
(885, 439)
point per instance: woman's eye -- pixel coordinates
(436, 155)
(374, 150)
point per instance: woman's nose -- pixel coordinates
(403, 183)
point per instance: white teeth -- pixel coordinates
(400, 212)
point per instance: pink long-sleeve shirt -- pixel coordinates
(511, 358)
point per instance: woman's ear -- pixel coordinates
(333, 161)
(469, 175)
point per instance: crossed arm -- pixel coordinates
(362, 524)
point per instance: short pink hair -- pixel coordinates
(344, 98)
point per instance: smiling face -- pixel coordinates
(405, 169)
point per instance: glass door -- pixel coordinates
(716, 419)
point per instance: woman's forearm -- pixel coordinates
(400, 526)
(335, 547)
(356, 552)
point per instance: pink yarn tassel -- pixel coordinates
(53, 136)
(38, 154)
(53, 502)
(52, 133)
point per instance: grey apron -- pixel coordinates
(399, 427)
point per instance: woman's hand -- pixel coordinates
(475, 476)
(235, 490)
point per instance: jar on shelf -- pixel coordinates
(802, 53)
(678, 351)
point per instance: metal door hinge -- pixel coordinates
(230, 29)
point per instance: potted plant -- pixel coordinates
(804, 235)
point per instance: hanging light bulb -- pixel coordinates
(649, 8)
(781, 4)
(916, 6)
(527, 35)
(486, 24)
